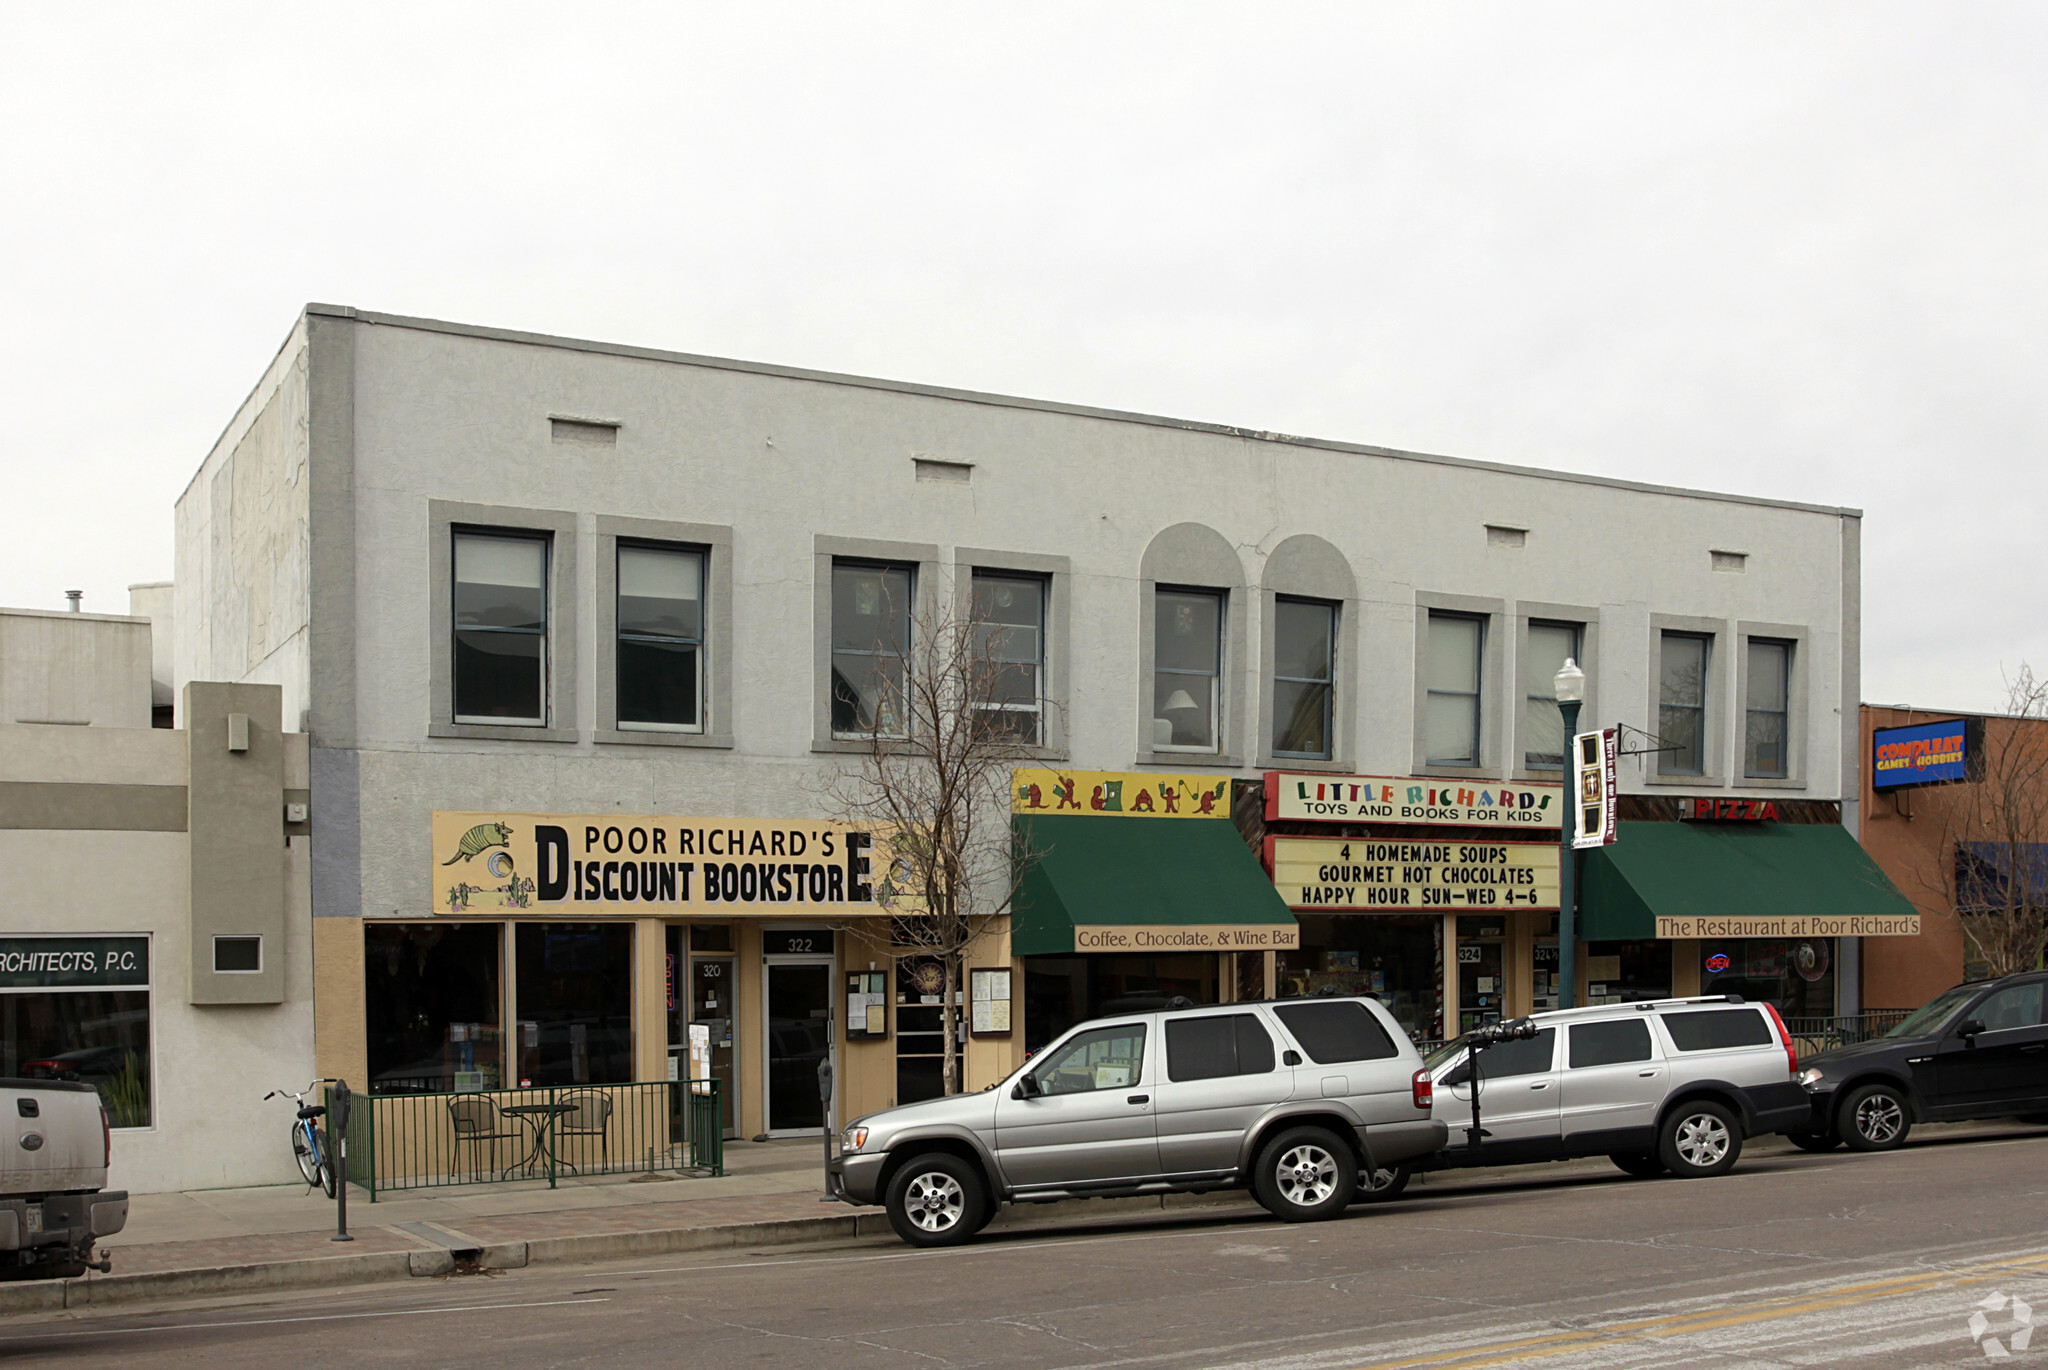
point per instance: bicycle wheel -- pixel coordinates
(306, 1151)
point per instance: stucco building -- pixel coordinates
(548, 608)
(154, 893)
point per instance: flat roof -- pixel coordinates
(510, 335)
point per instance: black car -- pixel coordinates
(1977, 1051)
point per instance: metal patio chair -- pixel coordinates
(591, 1118)
(478, 1124)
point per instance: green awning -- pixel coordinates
(1098, 883)
(1792, 873)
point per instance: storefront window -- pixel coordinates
(574, 1003)
(431, 1000)
(1794, 974)
(1060, 991)
(1482, 971)
(1398, 959)
(1627, 972)
(60, 1018)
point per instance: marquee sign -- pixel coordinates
(1926, 753)
(1315, 798)
(1408, 877)
(496, 862)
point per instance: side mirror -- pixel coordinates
(1026, 1087)
(1461, 1076)
(1290, 1057)
(1969, 1028)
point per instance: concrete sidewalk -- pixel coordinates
(280, 1237)
(226, 1241)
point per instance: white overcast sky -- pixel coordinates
(1786, 250)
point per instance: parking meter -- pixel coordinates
(825, 1110)
(337, 1156)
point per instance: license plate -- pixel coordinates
(34, 1221)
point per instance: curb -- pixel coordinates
(105, 1291)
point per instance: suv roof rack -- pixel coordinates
(1639, 1005)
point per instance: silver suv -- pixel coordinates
(1292, 1099)
(1670, 1085)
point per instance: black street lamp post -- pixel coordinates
(1571, 692)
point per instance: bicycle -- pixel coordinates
(306, 1148)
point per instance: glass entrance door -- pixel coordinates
(1481, 958)
(798, 1008)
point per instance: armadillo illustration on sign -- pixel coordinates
(479, 839)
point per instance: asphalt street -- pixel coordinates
(1791, 1260)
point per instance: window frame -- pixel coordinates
(1750, 709)
(1703, 710)
(1043, 585)
(1274, 680)
(444, 519)
(1055, 635)
(455, 629)
(1529, 624)
(1721, 687)
(1477, 694)
(1197, 557)
(620, 636)
(715, 543)
(826, 549)
(909, 624)
(1218, 696)
(1799, 675)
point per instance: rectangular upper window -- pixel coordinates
(1682, 703)
(1008, 654)
(1452, 679)
(870, 647)
(1187, 670)
(1345, 1030)
(1766, 736)
(1548, 647)
(660, 637)
(501, 627)
(1718, 1029)
(1611, 1043)
(1304, 676)
(1217, 1045)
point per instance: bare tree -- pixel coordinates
(1994, 833)
(943, 704)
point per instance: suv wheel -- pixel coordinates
(937, 1200)
(1382, 1183)
(1305, 1174)
(1874, 1118)
(1644, 1165)
(1699, 1139)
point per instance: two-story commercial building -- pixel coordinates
(578, 631)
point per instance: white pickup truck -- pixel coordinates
(54, 1204)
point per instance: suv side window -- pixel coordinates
(2015, 1006)
(1531, 1057)
(1611, 1043)
(1715, 1029)
(1343, 1030)
(1215, 1045)
(1106, 1058)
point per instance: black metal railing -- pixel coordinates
(419, 1141)
(1812, 1035)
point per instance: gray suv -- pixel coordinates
(1292, 1099)
(1670, 1085)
